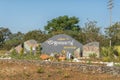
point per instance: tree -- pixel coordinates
(36, 35)
(4, 35)
(92, 32)
(62, 23)
(14, 40)
(113, 33)
(1, 39)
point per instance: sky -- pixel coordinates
(28, 15)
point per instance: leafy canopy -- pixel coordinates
(113, 33)
(36, 35)
(62, 23)
(4, 35)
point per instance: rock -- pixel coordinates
(110, 64)
(76, 60)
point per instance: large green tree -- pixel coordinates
(37, 35)
(4, 35)
(62, 23)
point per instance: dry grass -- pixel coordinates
(12, 71)
(2, 52)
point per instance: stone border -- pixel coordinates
(85, 68)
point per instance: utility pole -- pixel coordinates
(110, 7)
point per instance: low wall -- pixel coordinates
(85, 68)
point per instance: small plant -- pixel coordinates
(59, 71)
(13, 52)
(22, 52)
(108, 53)
(49, 75)
(93, 55)
(118, 64)
(27, 74)
(89, 62)
(40, 70)
(106, 59)
(66, 75)
(38, 49)
(31, 50)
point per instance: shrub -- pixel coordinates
(40, 70)
(27, 74)
(59, 71)
(66, 75)
(38, 49)
(106, 59)
(13, 52)
(89, 62)
(48, 75)
(110, 54)
(21, 52)
(93, 55)
(118, 65)
(26, 56)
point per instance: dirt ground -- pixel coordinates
(13, 71)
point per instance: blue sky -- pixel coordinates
(27, 15)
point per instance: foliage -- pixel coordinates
(59, 71)
(27, 74)
(27, 56)
(107, 51)
(62, 23)
(22, 52)
(13, 53)
(3, 51)
(93, 55)
(31, 51)
(36, 35)
(118, 64)
(14, 40)
(91, 32)
(67, 25)
(89, 62)
(49, 75)
(4, 35)
(40, 70)
(38, 49)
(106, 59)
(109, 54)
(117, 48)
(1, 39)
(66, 75)
(113, 32)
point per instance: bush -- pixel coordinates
(22, 52)
(66, 75)
(40, 70)
(93, 55)
(89, 62)
(27, 56)
(106, 59)
(110, 54)
(118, 65)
